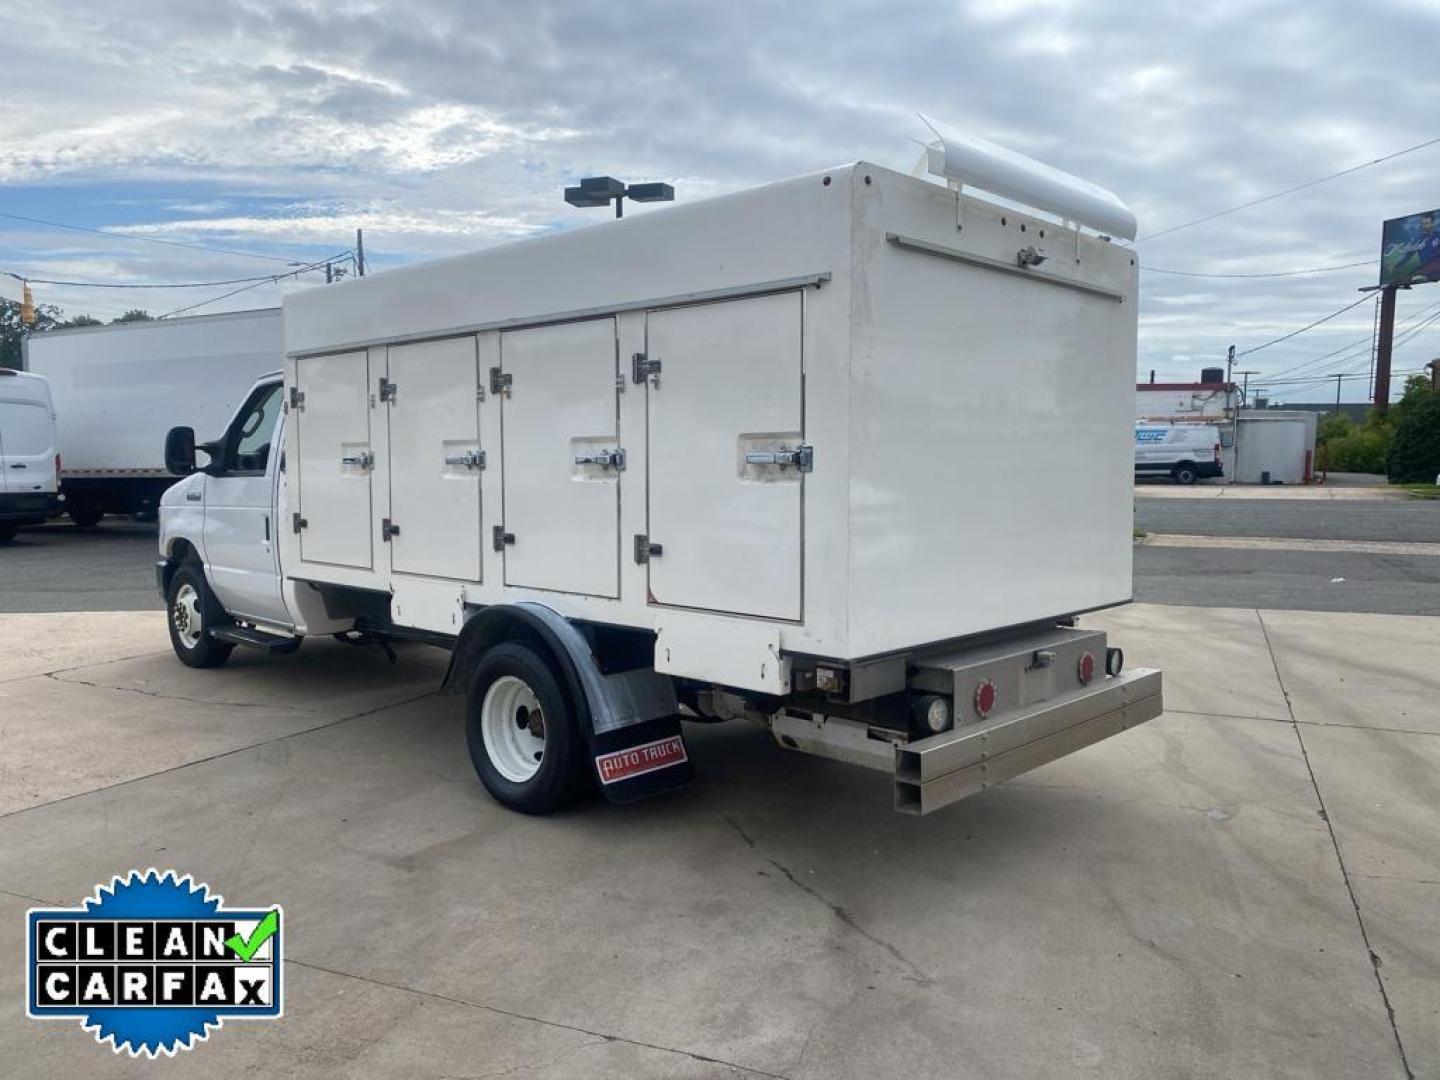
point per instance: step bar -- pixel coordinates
(941, 769)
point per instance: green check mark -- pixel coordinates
(246, 948)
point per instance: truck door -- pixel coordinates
(332, 439)
(560, 435)
(27, 448)
(435, 462)
(727, 461)
(239, 512)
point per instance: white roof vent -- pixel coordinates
(971, 160)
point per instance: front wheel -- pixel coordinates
(1186, 474)
(524, 739)
(189, 600)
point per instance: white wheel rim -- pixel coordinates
(513, 728)
(185, 614)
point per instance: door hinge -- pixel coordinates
(387, 390)
(801, 457)
(642, 368)
(501, 537)
(499, 381)
(297, 399)
(645, 550)
(388, 529)
(297, 522)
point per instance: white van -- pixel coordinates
(1188, 452)
(29, 465)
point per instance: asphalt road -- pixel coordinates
(1296, 580)
(61, 568)
(1320, 519)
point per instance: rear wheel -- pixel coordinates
(86, 515)
(524, 738)
(189, 601)
(7, 533)
(1185, 473)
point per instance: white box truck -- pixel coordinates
(29, 460)
(119, 388)
(786, 454)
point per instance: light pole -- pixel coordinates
(601, 190)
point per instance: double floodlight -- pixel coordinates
(603, 190)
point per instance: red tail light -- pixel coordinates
(1086, 668)
(57, 464)
(1217, 453)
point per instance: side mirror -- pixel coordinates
(180, 451)
(215, 450)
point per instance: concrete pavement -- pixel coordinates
(1200, 897)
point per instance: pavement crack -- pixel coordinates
(55, 677)
(844, 914)
(1339, 857)
(597, 1036)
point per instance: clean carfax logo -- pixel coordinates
(152, 962)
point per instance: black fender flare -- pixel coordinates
(603, 703)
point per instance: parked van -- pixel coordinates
(29, 465)
(1188, 452)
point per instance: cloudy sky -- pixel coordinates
(269, 131)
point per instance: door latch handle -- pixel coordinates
(606, 459)
(802, 458)
(500, 537)
(363, 460)
(19, 465)
(470, 459)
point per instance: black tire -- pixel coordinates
(85, 515)
(1185, 473)
(563, 767)
(7, 533)
(194, 645)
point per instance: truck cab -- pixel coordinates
(29, 462)
(218, 532)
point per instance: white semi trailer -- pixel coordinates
(119, 388)
(788, 454)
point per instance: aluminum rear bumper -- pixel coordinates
(937, 771)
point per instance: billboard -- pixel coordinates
(1410, 248)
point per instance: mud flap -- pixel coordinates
(641, 760)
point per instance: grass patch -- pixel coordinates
(1140, 534)
(1422, 491)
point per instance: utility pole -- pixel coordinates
(1337, 392)
(1245, 386)
(360, 252)
(1385, 340)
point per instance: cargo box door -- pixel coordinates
(332, 436)
(562, 458)
(726, 456)
(435, 461)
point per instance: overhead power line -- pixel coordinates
(147, 239)
(1290, 190)
(275, 279)
(1310, 326)
(1278, 274)
(151, 285)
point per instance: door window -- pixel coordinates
(247, 450)
(26, 428)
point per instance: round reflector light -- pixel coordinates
(985, 698)
(1086, 668)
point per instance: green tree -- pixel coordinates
(1415, 450)
(13, 332)
(134, 315)
(80, 320)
